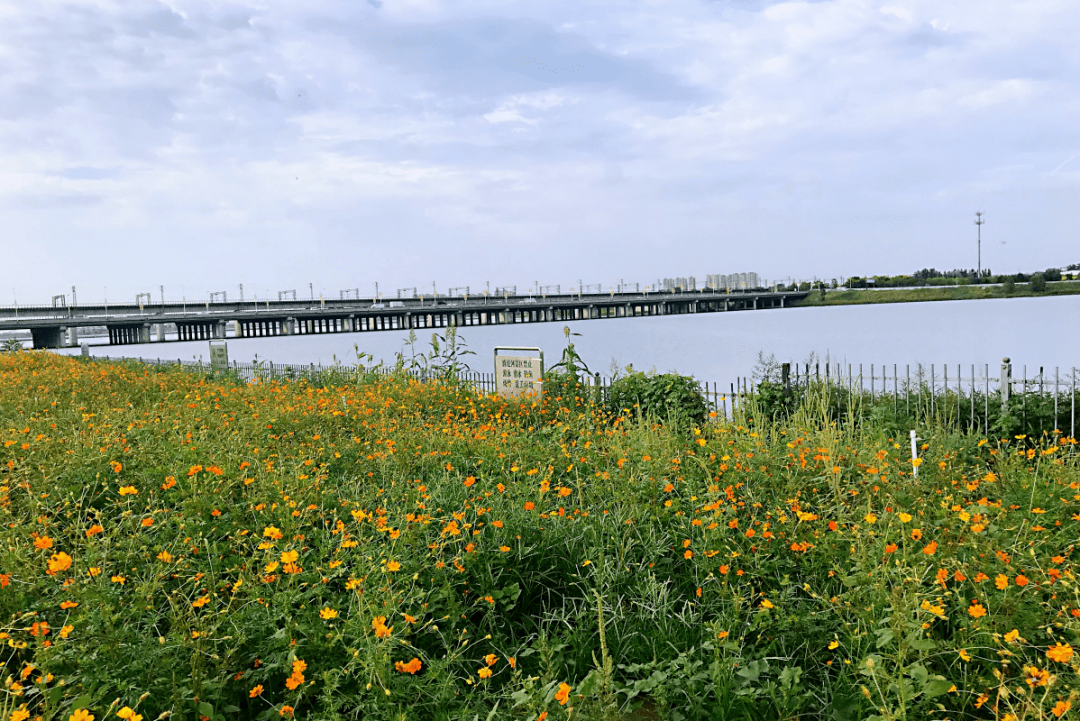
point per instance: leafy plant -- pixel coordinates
(666, 396)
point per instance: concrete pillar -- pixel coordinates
(288, 326)
(144, 333)
(755, 302)
(159, 331)
(350, 324)
(72, 337)
(219, 329)
(62, 337)
(781, 301)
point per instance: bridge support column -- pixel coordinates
(755, 302)
(288, 326)
(781, 301)
(219, 329)
(144, 333)
(46, 337)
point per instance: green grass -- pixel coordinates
(373, 548)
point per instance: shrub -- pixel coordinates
(666, 396)
(1038, 283)
(1009, 284)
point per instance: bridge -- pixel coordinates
(58, 326)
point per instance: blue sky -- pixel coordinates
(199, 145)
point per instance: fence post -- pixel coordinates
(596, 388)
(1006, 382)
(785, 373)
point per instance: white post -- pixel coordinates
(914, 454)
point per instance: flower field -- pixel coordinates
(180, 546)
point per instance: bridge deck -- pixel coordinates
(53, 327)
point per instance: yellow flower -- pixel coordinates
(81, 715)
(328, 613)
(870, 518)
(833, 645)
(289, 556)
(1012, 635)
(766, 603)
(484, 672)
(393, 566)
(905, 518)
(964, 654)
(128, 491)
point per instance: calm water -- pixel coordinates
(722, 346)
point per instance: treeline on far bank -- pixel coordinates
(931, 277)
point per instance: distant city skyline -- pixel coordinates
(201, 145)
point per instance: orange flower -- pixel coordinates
(529, 505)
(930, 549)
(890, 548)
(393, 566)
(1060, 708)
(255, 691)
(65, 605)
(94, 530)
(1001, 581)
(42, 542)
(976, 610)
(200, 602)
(1036, 677)
(1021, 580)
(378, 625)
(58, 562)
(272, 533)
(563, 694)
(1062, 653)
(285, 712)
(410, 667)
(485, 672)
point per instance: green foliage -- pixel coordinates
(11, 345)
(781, 567)
(1038, 283)
(1009, 284)
(666, 397)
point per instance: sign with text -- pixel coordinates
(219, 357)
(518, 370)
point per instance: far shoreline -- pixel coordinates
(874, 296)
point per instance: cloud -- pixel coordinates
(490, 136)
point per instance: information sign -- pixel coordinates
(518, 370)
(219, 356)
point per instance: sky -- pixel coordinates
(323, 146)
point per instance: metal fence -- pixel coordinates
(964, 396)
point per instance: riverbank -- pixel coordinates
(917, 295)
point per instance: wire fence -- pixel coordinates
(970, 397)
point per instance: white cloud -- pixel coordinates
(595, 131)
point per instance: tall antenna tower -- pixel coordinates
(979, 223)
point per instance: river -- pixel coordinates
(720, 347)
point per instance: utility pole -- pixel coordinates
(241, 292)
(311, 289)
(73, 301)
(162, 294)
(979, 223)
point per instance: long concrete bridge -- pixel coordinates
(58, 327)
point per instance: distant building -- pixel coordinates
(734, 281)
(670, 284)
